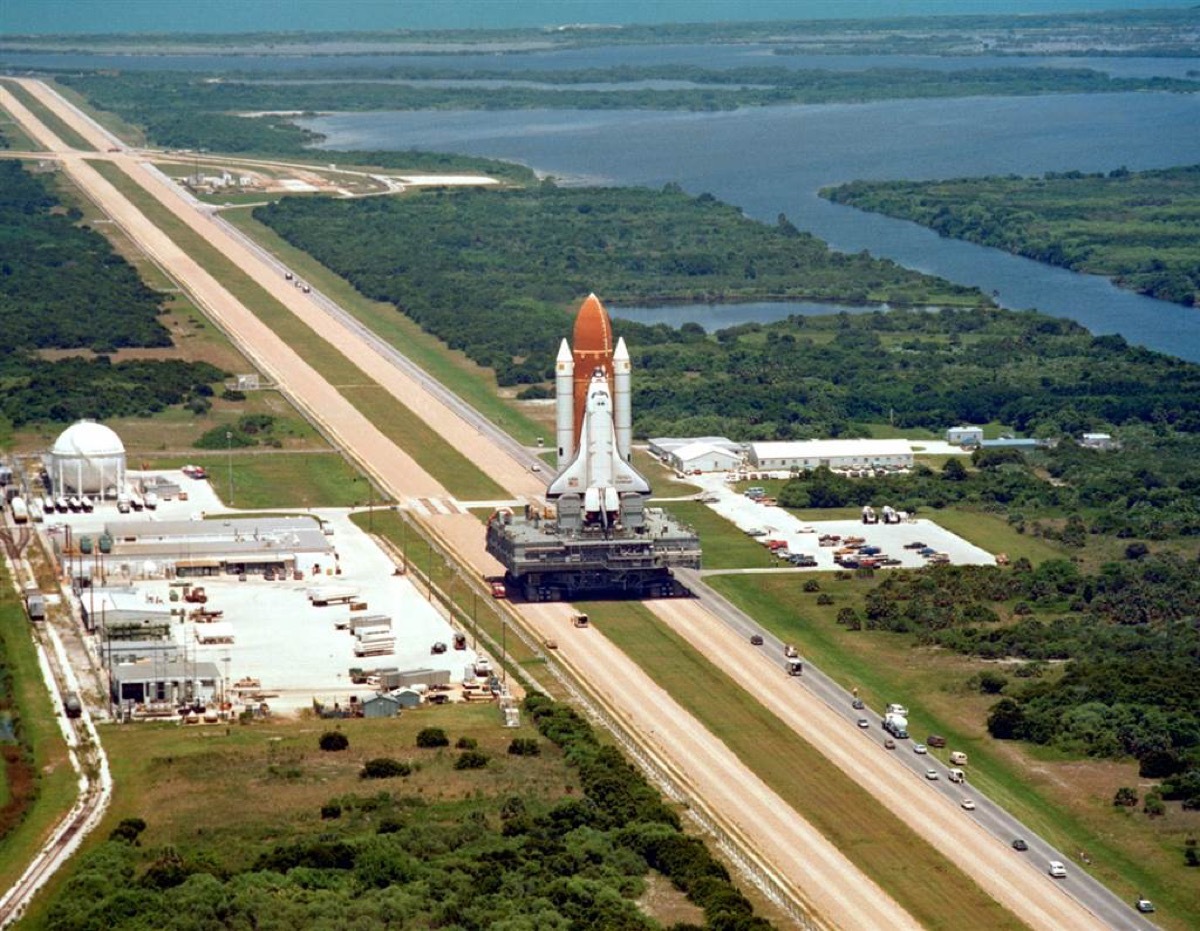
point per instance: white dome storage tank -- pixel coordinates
(88, 458)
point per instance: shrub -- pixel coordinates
(331, 811)
(471, 759)
(524, 746)
(333, 741)
(1125, 797)
(384, 768)
(232, 394)
(1154, 806)
(992, 683)
(824, 598)
(128, 830)
(432, 737)
(812, 585)
(467, 743)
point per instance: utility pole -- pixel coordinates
(229, 457)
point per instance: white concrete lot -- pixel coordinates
(783, 525)
(280, 638)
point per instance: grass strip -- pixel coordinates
(453, 369)
(885, 668)
(924, 882)
(49, 118)
(455, 471)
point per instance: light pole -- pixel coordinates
(229, 457)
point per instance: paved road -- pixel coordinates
(815, 697)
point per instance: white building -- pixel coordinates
(87, 459)
(964, 436)
(1098, 441)
(663, 446)
(832, 454)
(703, 457)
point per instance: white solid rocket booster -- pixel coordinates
(622, 409)
(564, 407)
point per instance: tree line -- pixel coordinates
(1138, 228)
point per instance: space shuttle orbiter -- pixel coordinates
(594, 423)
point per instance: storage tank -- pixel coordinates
(88, 459)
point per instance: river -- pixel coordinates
(773, 160)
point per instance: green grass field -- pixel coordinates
(921, 880)
(460, 476)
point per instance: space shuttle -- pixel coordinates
(594, 423)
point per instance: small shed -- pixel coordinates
(1097, 441)
(408, 698)
(964, 436)
(381, 706)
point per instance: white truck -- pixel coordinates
(895, 721)
(377, 647)
(321, 595)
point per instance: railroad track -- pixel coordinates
(90, 764)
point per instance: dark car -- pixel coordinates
(802, 559)
(857, 704)
(756, 640)
(936, 740)
(914, 546)
(1019, 844)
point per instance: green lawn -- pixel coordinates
(996, 535)
(725, 547)
(924, 882)
(454, 470)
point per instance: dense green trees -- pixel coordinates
(497, 274)
(1139, 228)
(63, 287)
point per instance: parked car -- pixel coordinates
(914, 546)
(1145, 906)
(936, 740)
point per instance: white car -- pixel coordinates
(919, 748)
(1057, 870)
(968, 804)
(931, 774)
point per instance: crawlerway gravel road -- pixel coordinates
(832, 883)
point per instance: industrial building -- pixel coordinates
(831, 454)
(964, 436)
(87, 459)
(663, 446)
(227, 546)
(168, 683)
(704, 457)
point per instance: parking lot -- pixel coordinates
(802, 537)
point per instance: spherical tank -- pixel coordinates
(88, 458)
